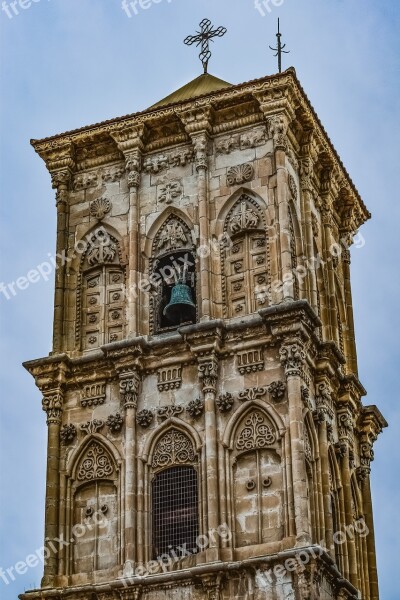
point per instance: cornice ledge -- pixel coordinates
(372, 418)
(47, 363)
(290, 317)
(205, 337)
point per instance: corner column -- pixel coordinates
(60, 181)
(129, 388)
(208, 374)
(52, 404)
(293, 356)
(306, 169)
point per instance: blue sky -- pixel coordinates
(67, 63)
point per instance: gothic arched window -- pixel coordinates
(173, 264)
(175, 495)
(245, 259)
(101, 314)
(95, 519)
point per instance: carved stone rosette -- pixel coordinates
(208, 374)
(292, 357)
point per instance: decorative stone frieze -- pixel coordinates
(250, 361)
(169, 378)
(93, 394)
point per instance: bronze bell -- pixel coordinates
(181, 307)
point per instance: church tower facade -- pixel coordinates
(207, 437)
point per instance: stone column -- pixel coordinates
(325, 412)
(131, 143)
(306, 168)
(293, 357)
(278, 126)
(351, 357)
(60, 181)
(345, 429)
(363, 475)
(53, 406)
(208, 375)
(331, 330)
(198, 125)
(129, 389)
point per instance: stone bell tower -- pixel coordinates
(206, 432)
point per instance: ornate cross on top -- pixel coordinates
(204, 37)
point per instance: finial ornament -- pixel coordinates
(203, 38)
(279, 49)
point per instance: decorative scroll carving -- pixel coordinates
(167, 412)
(83, 181)
(250, 361)
(225, 402)
(68, 433)
(195, 408)
(115, 423)
(52, 404)
(92, 426)
(244, 217)
(96, 464)
(100, 207)
(250, 139)
(277, 390)
(174, 448)
(208, 374)
(252, 394)
(256, 433)
(305, 396)
(240, 174)
(324, 400)
(169, 378)
(307, 445)
(169, 191)
(144, 418)
(93, 394)
(293, 358)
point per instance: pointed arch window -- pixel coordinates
(245, 260)
(175, 495)
(100, 307)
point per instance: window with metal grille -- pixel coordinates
(175, 522)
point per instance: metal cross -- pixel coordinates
(204, 37)
(280, 49)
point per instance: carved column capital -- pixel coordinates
(324, 399)
(278, 127)
(306, 172)
(129, 387)
(208, 369)
(293, 357)
(130, 142)
(201, 144)
(52, 404)
(60, 181)
(133, 167)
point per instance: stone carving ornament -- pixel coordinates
(252, 394)
(277, 390)
(167, 412)
(225, 402)
(195, 408)
(96, 464)
(68, 433)
(171, 236)
(103, 249)
(256, 433)
(240, 174)
(100, 207)
(169, 191)
(144, 418)
(92, 426)
(244, 217)
(115, 423)
(174, 448)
